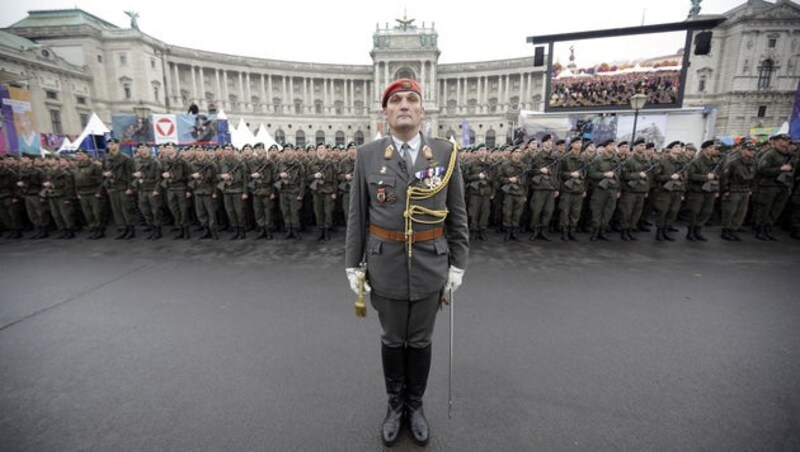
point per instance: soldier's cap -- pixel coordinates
(560, 141)
(606, 143)
(673, 144)
(574, 140)
(709, 143)
(587, 143)
(259, 145)
(547, 137)
(749, 145)
(287, 146)
(274, 146)
(351, 144)
(639, 141)
(781, 136)
(478, 146)
(403, 84)
(650, 145)
(691, 147)
(113, 140)
(622, 143)
(142, 143)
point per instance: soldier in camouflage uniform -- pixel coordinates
(544, 182)
(10, 213)
(513, 183)
(203, 184)
(60, 188)
(573, 189)
(345, 176)
(233, 183)
(31, 175)
(118, 170)
(480, 191)
(736, 186)
(635, 186)
(291, 179)
(774, 182)
(148, 180)
(88, 180)
(603, 176)
(262, 186)
(321, 177)
(703, 176)
(669, 175)
(175, 179)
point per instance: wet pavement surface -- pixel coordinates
(253, 345)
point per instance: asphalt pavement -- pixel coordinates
(254, 345)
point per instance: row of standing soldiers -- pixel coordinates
(550, 185)
(254, 188)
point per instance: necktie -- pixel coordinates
(407, 157)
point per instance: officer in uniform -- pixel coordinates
(480, 191)
(147, 178)
(736, 186)
(544, 187)
(774, 183)
(10, 213)
(703, 175)
(88, 179)
(408, 223)
(118, 174)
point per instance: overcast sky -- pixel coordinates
(341, 31)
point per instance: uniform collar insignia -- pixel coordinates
(427, 152)
(388, 153)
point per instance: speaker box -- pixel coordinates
(702, 43)
(538, 56)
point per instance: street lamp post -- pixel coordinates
(637, 103)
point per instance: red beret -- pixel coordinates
(403, 84)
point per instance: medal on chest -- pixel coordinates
(430, 177)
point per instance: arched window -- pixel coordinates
(318, 107)
(320, 137)
(359, 138)
(701, 83)
(471, 136)
(300, 139)
(255, 102)
(276, 102)
(339, 138)
(280, 137)
(765, 74)
(358, 108)
(493, 105)
(338, 106)
(513, 103)
(491, 138)
(233, 101)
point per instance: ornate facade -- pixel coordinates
(113, 69)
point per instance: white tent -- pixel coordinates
(378, 136)
(565, 73)
(65, 146)
(263, 136)
(222, 116)
(242, 135)
(94, 127)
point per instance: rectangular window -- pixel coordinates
(84, 120)
(772, 42)
(99, 58)
(701, 86)
(152, 63)
(52, 95)
(80, 100)
(55, 118)
(127, 89)
(155, 93)
(123, 60)
(762, 111)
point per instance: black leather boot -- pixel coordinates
(242, 233)
(181, 233)
(156, 233)
(236, 235)
(760, 233)
(101, 233)
(418, 364)
(631, 236)
(543, 234)
(131, 233)
(70, 234)
(734, 236)
(659, 234)
(768, 233)
(289, 233)
(394, 373)
(666, 235)
(698, 234)
(690, 233)
(262, 234)
(564, 234)
(513, 234)
(726, 234)
(213, 233)
(321, 235)
(570, 235)
(206, 233)
(122, 234)
(268, 233)
(595, 234)
(601, 235)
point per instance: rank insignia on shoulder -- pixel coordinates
(388, 152)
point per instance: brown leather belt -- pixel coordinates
(400, 236)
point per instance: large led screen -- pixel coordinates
(603, 73)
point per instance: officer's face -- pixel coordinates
(404, 111)
(548, 145)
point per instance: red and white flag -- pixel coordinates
(165, 129)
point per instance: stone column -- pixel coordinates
(220, 100)
(270, 106)
(385, 74)
(376, 83)
(283, 93)
(364, 92)
(422, 79)
(305, 94)
(325, 95)
(263, 94)
(227, 93)
(291, 93)
(177, 85)
(194, 86)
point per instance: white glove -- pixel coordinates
(454, 278)
(352, 276)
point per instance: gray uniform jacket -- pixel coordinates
(378, 197)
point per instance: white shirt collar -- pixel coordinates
(414, 143)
